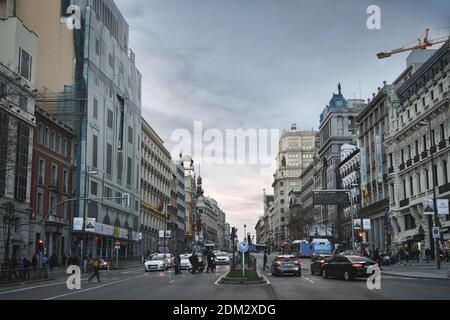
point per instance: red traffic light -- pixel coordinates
(40, 242)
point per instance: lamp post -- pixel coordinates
(436, 218)
(245, 232)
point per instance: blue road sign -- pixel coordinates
(243, 247)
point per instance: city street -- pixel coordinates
(135, 284)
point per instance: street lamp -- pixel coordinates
(436, 218)
(245, 232)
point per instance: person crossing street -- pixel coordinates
(95, 266)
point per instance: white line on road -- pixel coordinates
(97, 287)
(36, 287)
(171, 281)
(309, 280)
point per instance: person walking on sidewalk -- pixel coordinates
(34, 261)
(427, 254)
(63, 261)
(95, 267)
(177, 263)
(265, 260)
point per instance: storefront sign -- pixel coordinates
(442, 206)
(357, 224)
(366, 224)
(90, 225)
(77, 224)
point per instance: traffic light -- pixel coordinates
(40, 244)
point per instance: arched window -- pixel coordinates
(52, 140)
(58, 144)
(46, 137)
(39, 133)
(340, 126)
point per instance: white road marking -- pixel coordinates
(36, 287)
(309, 280)
(218, 280)
(171, 281)
(93, 288)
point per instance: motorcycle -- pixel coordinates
(197, 268)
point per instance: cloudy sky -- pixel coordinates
(262, 64)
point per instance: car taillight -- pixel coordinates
(278, 263)
(297, 262)
(357, 265)
(322, 261)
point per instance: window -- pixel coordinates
(391, 163)
(423, 102)
(97, 47)
(404, 189)
(110, 119)
(107, 193)
(95, 111)
(52, 202)
(433, 138)
(108, 158)
(444, 171)
(435, 176)
(130, 134)
(129, 170)
(432, 95)
(442, 132)
(58, 144)
(441, 88)
(111, 61)
(419, 186)
(46, 137)
(94, 151)
(403, 155)
(23, 103)
(94, 188)
(411, 186)
(54, 175)
(22, 161)
(424, 142)
(410, 223)
(65, 206)
(415, 108)
(41, 172)
(409, 152)
(427, 180)
(65, 181)
(40, 203)
(119, 165)
(391, 189)
(52, 140)
(416, 146)
(25, 64)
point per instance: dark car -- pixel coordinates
(347, 267)
(286, 264)
(317, 263)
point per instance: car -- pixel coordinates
(317, 263)
(104, 265)
(158, 262)
(222, 258)
(283, 264)
(347, 267)
(185, 263)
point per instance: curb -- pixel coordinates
(415, 277)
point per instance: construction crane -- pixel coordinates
(423, 44)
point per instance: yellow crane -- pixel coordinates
(423, 44)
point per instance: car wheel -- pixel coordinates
(312, 270)
(347, 276)
(325, 274)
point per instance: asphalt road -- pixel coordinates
(135, 284)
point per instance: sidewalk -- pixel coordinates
(420, 270)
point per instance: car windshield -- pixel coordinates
(285, 258)
(158, 257)
(358, 259)
(221, 254)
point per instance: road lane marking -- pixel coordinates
(93, 288)
(171, 281)
(36, 287)
(308, 279)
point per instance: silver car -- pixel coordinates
(157, 262)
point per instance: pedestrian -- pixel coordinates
(20, 267)
(53, 261)
(265, 260)
(427, 254)
(63, 261)
(95, 267)
(13, 268)
(177, 263)
(45, 261)
(34, 261)
(376, 256)
(26, 267)
(418, 255)
(447, 256)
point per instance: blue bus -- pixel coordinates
(302, 248)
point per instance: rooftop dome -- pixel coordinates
(338, 100)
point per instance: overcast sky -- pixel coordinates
(262, 64)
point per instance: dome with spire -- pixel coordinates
(338, 100)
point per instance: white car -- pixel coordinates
(157, 262)
(222, 258)
(185, 263)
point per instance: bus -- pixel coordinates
(321, 246)
(302, 248)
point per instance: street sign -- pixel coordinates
(357, 224)
(436, 233)
(366, 224)
(428, 206)
(117, 244)
(442, 206)
(126, 200)
(330, 198)
(243, 246)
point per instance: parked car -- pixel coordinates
(222, 258)
(317, 263)
(347, 267)
(158, 262)
(286, 264)
(185, 263)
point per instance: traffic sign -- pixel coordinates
(243, 247)
(436, 233)
(117, 244)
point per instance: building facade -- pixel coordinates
(18, 53)
(156, 186)
(51, 184)
(337, 127)
(181, 206)
(295, 152)
(418, 149)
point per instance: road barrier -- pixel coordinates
(15, 275)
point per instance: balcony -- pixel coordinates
(442, 144)
(402, 167)
(433, 150)
(444, 188)
(424, 154)
(409, 163)
(391, 170)
(416, 158)
(404, 203)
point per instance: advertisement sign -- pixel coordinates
(357, 224)
(90, 225)
(366, 224)
(161, 233)
(77, 224)
(363, 168)
(442, 206)
(427, 206)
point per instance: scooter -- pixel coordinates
(199, 268)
